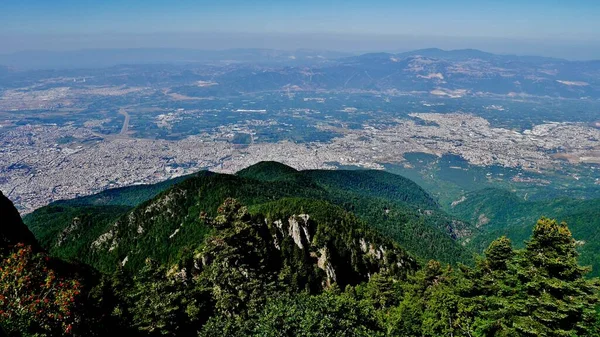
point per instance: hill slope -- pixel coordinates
(278, 267)
(499, 212)
(165, 226)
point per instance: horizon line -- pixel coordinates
(351, 53)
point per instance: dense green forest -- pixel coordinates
(501, 213)
(273, 251)
(163, 226)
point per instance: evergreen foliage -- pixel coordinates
(502, 213)
(162, 227)
(293, 263)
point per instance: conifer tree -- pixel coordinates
(237, 262)
(538, 291)
(495, 290)
(560, 301)
(161, 304)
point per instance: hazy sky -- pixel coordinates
(348, 24)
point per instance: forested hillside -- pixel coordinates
(163, 227)
(501, 213)
(319, 272)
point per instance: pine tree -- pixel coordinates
(381, 291)
(539, 291)
(494, 290)
(161, 304)
(238, 261)
(560, 301)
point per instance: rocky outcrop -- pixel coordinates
(324, 264)
(68, 233)
(297, 226)
(107, 239)
(301, 230)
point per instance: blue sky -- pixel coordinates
(548, 21)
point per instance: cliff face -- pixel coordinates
(12, 228)
(304, 251)
(347, 253)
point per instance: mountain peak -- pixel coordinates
(267, 171)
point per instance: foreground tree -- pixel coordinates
(538, 291)
(332, 313)
(162, 304)
(491, 290)
(429, 306)
(238, 262)
(34, 301)
(560, 300)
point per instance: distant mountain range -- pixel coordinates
(94, 58)
(454, 73)
(432, 71)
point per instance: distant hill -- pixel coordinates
(369, 183)
(465, 54)
(4, 70)
(163, 226)
(458, 54)
(467, 69)
(123, 196)
(430, 71)
(269, 171)
(427, 71)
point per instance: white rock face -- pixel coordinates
(382, 251)
(279, 224)
(305, 217)
(374, 252)
(294, 232)
(67, 231)
(363, 245)
(324, 264)
(295, 227)
(106, 237)
(174, 233)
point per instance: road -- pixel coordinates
(125, 123)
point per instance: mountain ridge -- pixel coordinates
(421, 72)
(392, 205)
(290, 263)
